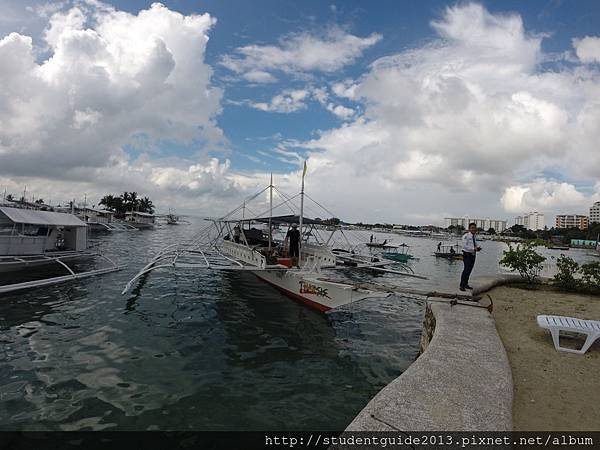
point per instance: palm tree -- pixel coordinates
(130, 200)
(146, 205)
(108, 201)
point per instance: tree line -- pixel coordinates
(127, 201)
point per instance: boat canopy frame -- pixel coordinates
(206, 249)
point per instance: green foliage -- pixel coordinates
(457, 229)
(590, 276)
(524, 259)
(565, 277)
(537, 242)
(128, 201)
(574, 277)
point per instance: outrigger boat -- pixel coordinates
(232, 243)
(399, 254)
(31, 239)
(171, 219)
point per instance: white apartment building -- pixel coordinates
(485, 224)
(595, 213)
(571, 221)
(532, 221)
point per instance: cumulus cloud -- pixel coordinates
(292, 100)
(259, 76)
(544, 195)
(111, 79)
(340, 111)
(288, 101)
(587, 49)
(344, 89)
(208, 186)
(300, 52)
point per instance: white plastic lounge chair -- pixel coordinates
(556, 324)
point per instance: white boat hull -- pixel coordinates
(313, 291)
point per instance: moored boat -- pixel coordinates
(241, 244)
(30, 239)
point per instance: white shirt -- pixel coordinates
(469, 243)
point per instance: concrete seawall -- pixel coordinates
(462, 381)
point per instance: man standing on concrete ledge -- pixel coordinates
(469, 249)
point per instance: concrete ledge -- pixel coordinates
(461, 382)
(484, 284)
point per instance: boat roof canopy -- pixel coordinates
(289, 219)
(34, 217)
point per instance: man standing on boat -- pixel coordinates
(293, 237)
(237, 232)
(469, 249)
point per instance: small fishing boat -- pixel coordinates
(31, 239)
(374, 244)
(451, 252)
(399, 254)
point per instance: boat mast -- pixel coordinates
(270, 210)
(301, 214)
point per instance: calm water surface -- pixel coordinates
(202, 350)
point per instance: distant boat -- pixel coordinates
(380, 245)
(555, 247)
(451, 252)
(139, 219)
(399, 254)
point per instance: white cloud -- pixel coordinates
(111, 79)
(288, 101)
(588, 49)
(345, 89)
(340, 111)
(259, 76)
(301, 52)
(544, 195)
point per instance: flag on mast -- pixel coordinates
(304, 171)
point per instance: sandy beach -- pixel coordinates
(552, 390)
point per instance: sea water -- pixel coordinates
(204, 350)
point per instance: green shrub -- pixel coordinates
(523, 259)
(590, 276)
(565, 277)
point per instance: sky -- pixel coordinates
(406, 112)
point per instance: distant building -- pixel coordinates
(571, 221)
(532, 221)
(595, 213)
(485, 224)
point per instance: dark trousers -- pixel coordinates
(294, 249)
(469, 260)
